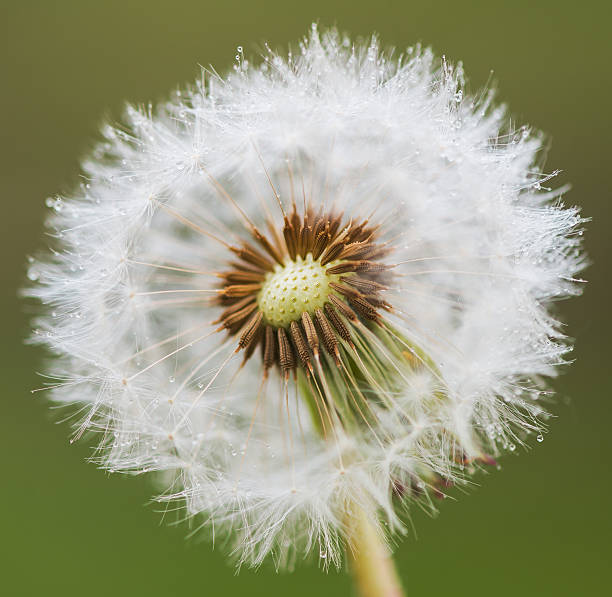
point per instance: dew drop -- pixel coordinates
(540, 438)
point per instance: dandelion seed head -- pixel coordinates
(317, 283)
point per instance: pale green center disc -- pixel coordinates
(298, 286)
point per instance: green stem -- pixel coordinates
(370, 560)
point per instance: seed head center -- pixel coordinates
(298, 286)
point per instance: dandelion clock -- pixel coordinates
(308, 295)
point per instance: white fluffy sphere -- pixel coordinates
(448, 353)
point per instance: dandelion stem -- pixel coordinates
(370, 560)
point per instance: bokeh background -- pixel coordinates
(540, 527)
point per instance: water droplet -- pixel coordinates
(540, 438)
(172, 379)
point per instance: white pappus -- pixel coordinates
(311, 287)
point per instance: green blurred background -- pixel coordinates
(540, 527)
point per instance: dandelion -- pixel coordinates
(308, 295)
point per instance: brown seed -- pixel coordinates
(376, 301)
(327, 334)
(371, 266)
(295, 220)
(353, 249)
(239, 315)
(269, 353)
(363, 250)
(319, 226)
(338, 324)
(344, 290)
(321, 241)
(358, 266)
(253, 343)
(303, 242)
(332, 252)
(343, 307)
(285, 352)
(309, 240)
(241, 276)
(363, 285)
(300, 343)
(342, 268)
(250, 330)
(289, 236)
(238, 290)
(311, 332)
(250, 255)
(364, 308)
